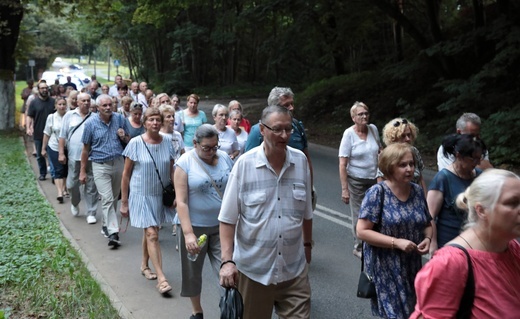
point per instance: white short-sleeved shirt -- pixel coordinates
(268, 211)
(228, 140)
(113, 91)
(177, 124)
(71, 119)
(177, 142)
(141, 98)
(444, 162)
(242, 139)
(52, 130)
(363, 155)
(203, 200)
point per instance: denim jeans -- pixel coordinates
(58, 170)
(42, 163)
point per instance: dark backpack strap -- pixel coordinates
(466, 302)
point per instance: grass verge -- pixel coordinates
(41, 274)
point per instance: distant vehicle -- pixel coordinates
(75, 67)
(59, 63)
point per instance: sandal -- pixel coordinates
(66, 194)
(148, 274)
(164, 287)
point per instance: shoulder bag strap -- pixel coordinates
(466, 302)
(206, 171)
(74, 129)
(375, 136)
(380, 214)
(155, 165)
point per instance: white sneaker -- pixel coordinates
(91, 219)
(74, 210)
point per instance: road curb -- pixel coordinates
(123, 311)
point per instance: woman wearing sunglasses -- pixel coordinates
(401, 130)
(449, 183)
(201, 176)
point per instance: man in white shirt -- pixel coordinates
(118, 82)
(141, 97)
(468, 123)
(134, 91)
(70, 138)
(266, 224)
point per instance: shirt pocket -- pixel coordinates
(254, 199)
(299, 192)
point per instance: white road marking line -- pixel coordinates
(333, 212)
(333, 219)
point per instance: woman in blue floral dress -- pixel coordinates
(395, 235)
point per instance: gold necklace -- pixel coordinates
(464, 239)
(484, 245)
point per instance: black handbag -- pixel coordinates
(168, 195)
(366, 286)
(231, 304)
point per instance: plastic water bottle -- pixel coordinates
(201, 242)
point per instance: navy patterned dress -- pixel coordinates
(394, 270)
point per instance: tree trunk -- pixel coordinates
(11, 14)
(398, 33)
(443, 65)
(7, 102)
(432, 10)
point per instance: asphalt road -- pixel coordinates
(333, 272)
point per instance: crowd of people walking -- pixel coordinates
(249, 190)
(396, 220)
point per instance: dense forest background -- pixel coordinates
(426, 60)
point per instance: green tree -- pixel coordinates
(11, 14)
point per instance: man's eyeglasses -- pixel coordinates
(278, 131)
(207, 148)
(363, 114)
(397, 123)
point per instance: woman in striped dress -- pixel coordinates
(141, 190)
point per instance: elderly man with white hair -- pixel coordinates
(103, 138)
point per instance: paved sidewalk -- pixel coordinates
(118, 270)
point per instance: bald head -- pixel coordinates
(134, 87)
(83, 102)
(143, 86)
